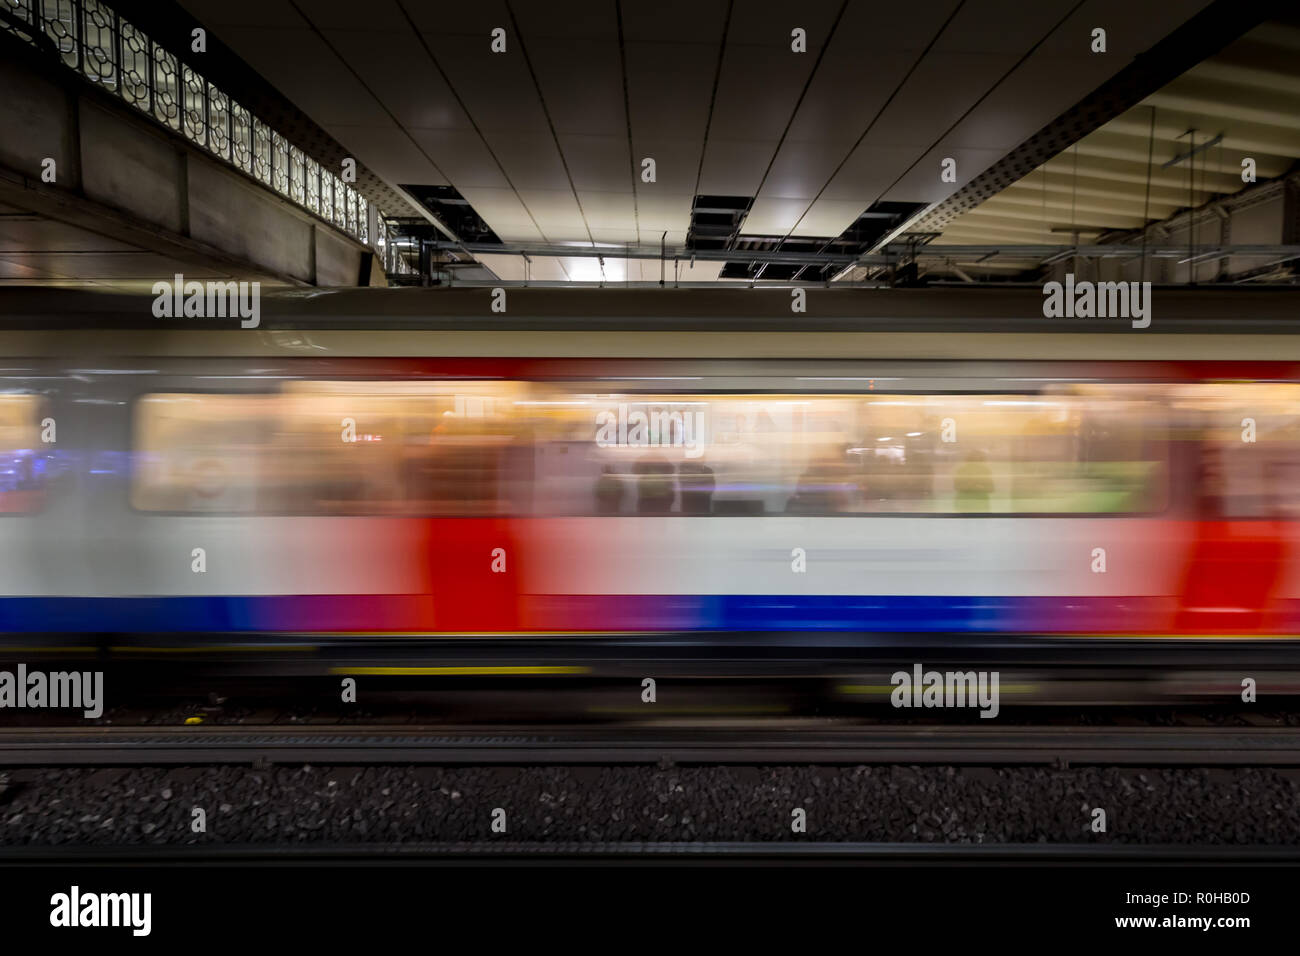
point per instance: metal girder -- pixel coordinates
(765, 256)
(890, 255)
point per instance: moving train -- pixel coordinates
(499, 482)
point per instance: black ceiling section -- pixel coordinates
(453, 211)
(716, 221)
(877, 222)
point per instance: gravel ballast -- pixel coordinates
(381, 804)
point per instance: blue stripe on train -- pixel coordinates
(882, 613)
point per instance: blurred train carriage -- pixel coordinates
(496, 491)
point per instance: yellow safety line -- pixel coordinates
(211, 648)
(456, 671)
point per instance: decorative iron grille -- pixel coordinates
(91, 38)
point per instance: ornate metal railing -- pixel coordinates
(91, 38)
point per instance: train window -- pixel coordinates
(848, 454)
(1247, 448)
(333, 448)
(23, 462)
(436, 448)
(498, 447)
(201, 452)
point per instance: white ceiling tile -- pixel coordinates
(463, 158)
(677, 163)
(868, 172)
(585, 19)
(556, 212)
(497, 89)
(769, 22)
(846, 94)
(1001, 26)
(923, 184)
(244, 13)
(669, 87)
(497, 207)
(943, 87)
(773, 217)
(829, 217)
(389, 152)
(800, 171)
(304, 69)
(505, 267)
(342, 15)
(656, 212)
(687, 22)
(757, 91)
(517, 232)
(621, 234)
(607, 210)
(734, 167)
(530, 161)
(582, 85)
(599, 162)
(397, 68)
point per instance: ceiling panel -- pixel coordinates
(869, 172)
(686, 22)
(466, 22)
(556, 212)
(261, 13)
(463, 158)
(922, 182)
(496, 88)
(846, 94)
(586, 101)
(773, 217)
(669, 88)
(829, 217)
(658, 211)
(531, 162)
(398, 69)
(800, 171)
(561, 19)
(677, 163)
(622, 234)
(734, 167)
(390, 152)
(1002, 26)
(599, 162)
(942, 88)
(607, 210)
(759, 76)
(299, 64)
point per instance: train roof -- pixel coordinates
(1175, 310)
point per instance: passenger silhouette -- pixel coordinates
(609, 492)
(656, 486)
(696, 482)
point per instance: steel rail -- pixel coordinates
(672, 853)
(920, 744)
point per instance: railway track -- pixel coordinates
(915, 744)
(749, 853)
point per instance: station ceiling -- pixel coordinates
(545, 141)
(1187, 140)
